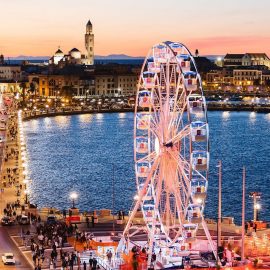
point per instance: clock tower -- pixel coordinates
(89, 44)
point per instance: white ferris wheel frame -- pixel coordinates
(164, 128)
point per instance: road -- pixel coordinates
(7, 245)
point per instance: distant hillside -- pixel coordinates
(117, 56)
(28, 57)
(213, 57)
(100, 57)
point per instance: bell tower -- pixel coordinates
(89, 43)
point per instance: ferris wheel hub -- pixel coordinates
(168, 145)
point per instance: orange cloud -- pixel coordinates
(232, 44)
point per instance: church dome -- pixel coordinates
(59, 53)
(74, 50)
(75, 53)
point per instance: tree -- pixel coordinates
(32, 88)
(67, 91)
(23, 87)
(267, 82)
(196, 52)
(257, 82)
(35, 81)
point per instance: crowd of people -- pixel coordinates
(53, 238)
(10, 175)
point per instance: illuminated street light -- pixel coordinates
(256, 206)
(73, 197)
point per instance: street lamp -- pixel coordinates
(256, 206)
(73, 197)
(26, 196)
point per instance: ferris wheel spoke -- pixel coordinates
(184, 168)
(182, 162)
(179, 203)
(184, 187)
(139, 201)
(150, 157)
(185, 132)
(175, 187)
(178, 108)
(179, 121)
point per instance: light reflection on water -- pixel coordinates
(85, 118)
(252, 117)
(225, 115)
(76, 153)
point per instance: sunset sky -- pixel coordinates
(38, 27)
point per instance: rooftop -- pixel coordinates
(233, 55)
(74, 50)
(58, 51)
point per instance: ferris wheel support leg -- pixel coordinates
(209, 238)
(138, 203)
(150, 251)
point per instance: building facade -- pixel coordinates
(116, 85)
(247, 77)
(8, 72)
(127, 84)
(232, 60)
(255, 59)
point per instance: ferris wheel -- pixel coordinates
(171, 150)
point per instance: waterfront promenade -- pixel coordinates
(12, 189)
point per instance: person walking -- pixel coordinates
(109, 256)
(87, 222)
(255, 227)
(71, 263)
(94, 264)
(246, 227)
(93, 221)
(79, 262)
(91, 262)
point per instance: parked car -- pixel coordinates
(24, 220)
(5, 221)
(8, 258)
(51, 219)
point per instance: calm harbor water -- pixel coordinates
(78, 153)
